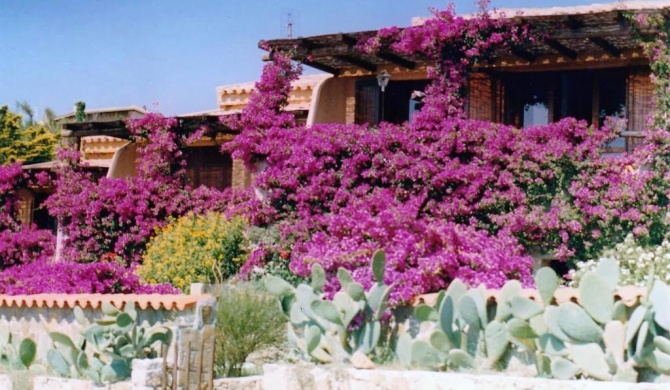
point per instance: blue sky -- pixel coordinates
(168, 52)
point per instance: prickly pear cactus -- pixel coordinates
(321, 330)
(105, 350)
(597, 338)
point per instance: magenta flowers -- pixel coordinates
(444, 196)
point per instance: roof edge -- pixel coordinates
(104, 110)
(595, 8)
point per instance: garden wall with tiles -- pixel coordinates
(35, 316)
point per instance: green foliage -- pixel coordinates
(29, 143)
(324, 330)
(636, 261)
(80, 111)
(10, 136)
(39, 144)
(16, 353)
(195, 249)
(598, 337)
(27, 352)
(28, 111)
(106, 349)
(248, 320)
(275, 259)
(50, 120)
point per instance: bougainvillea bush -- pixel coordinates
(20, 244)
(446, 197)
(119, 215)
(639, 257)
(67, 277)
(26, 253)
(107, 222)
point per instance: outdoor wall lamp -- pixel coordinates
(383, 79)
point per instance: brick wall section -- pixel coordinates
(242, 178)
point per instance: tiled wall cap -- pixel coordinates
(94, 301)
(630, 295)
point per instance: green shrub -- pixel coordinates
(637, 262)
(195, 249)
(247, 320)
(274, 257)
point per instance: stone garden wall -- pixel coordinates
(35, 316)
(291, 377)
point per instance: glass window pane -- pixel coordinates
(535, 114)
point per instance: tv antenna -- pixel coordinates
(290, 19)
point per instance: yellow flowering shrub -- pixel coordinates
(195, 249)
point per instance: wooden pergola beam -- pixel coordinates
(306, 43)
(188, 124)
(352, 58)
(524, 54)
(119, 129)
(112, 128)
(359, 62)
(561, 48)
(325, 52)
(606, 45)
(573, 23)
(347, 39)
(612, 31)
(321, 67)
(396, 59)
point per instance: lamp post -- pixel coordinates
(383, 80)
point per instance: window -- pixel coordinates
(396, 105)
(542, 97)
(207, 166)
(40, 216)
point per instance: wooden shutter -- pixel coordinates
(367, 102)
(480, 97)
(640, 92)
(209, 167)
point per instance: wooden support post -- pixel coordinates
(175, 368)
(164, 373)
(595, 101)
(198, 360)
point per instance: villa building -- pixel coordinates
(589, 66)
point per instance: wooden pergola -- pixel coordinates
(572, 37)
(118, 128)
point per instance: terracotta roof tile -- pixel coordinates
(94, 301)
(630, 295)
